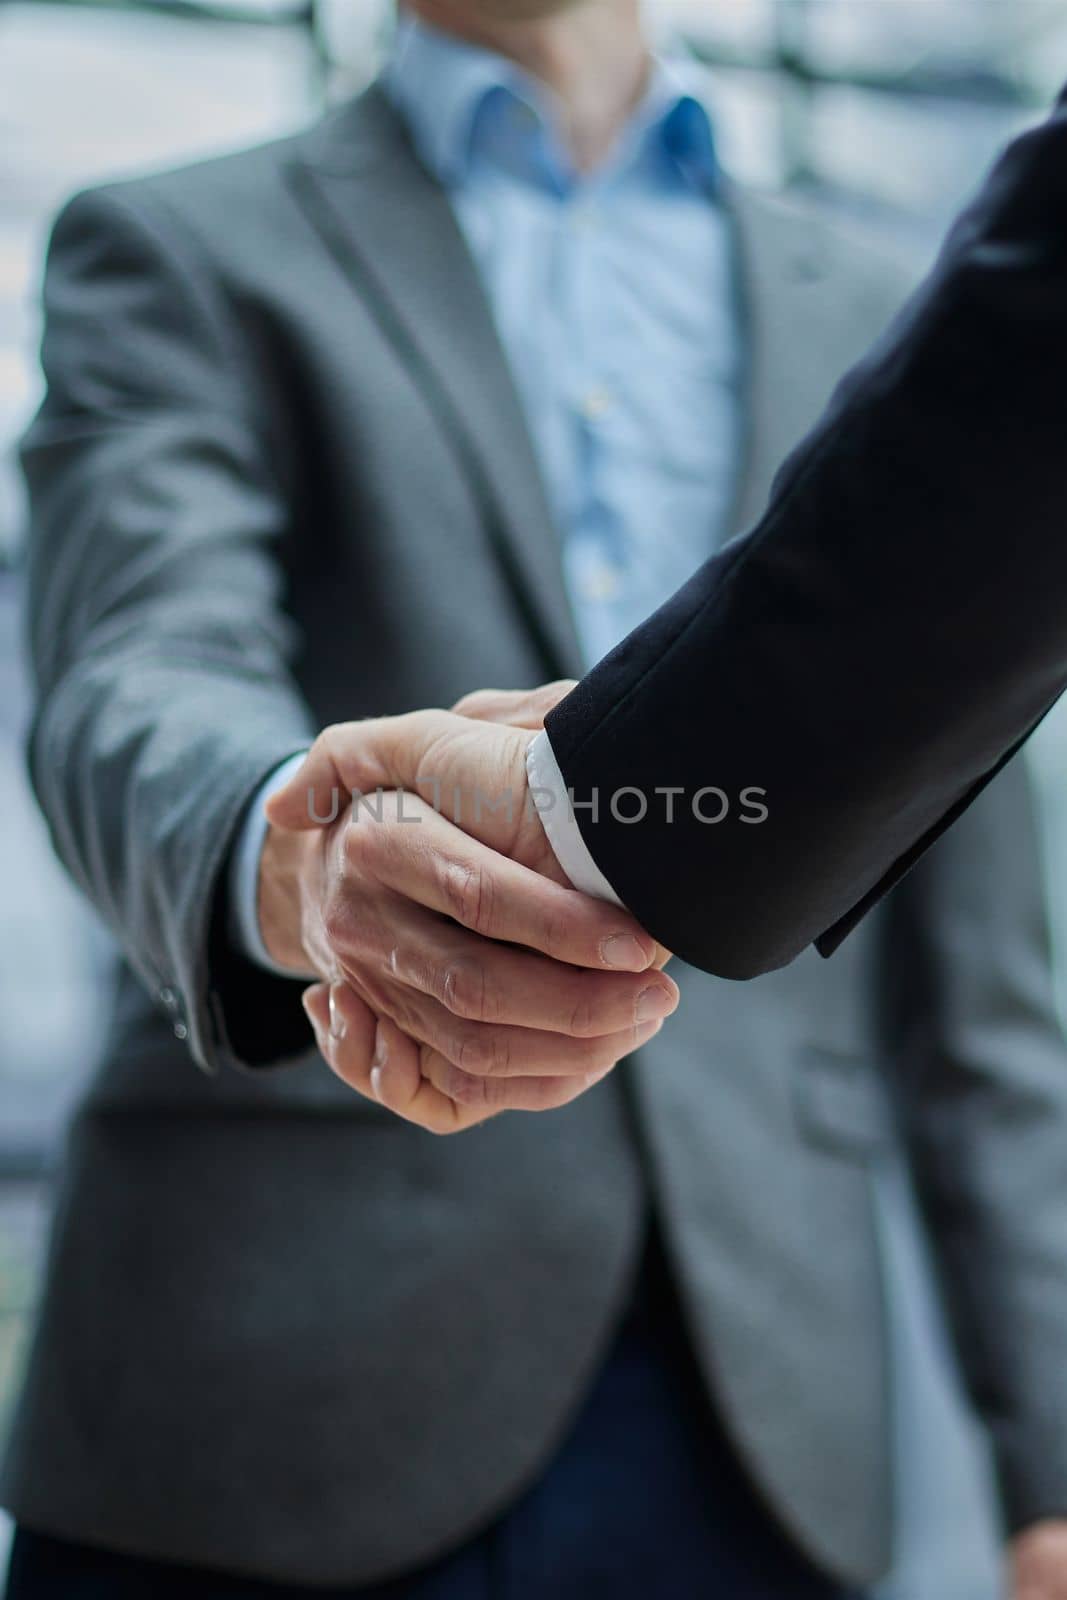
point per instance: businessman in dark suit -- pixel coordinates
(870, 654)
(303, 458)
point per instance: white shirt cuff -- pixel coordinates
(244, 872)
(552, 801)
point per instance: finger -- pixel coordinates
(315, 795)
(518, 708)
(316, 1002)
(485, 982)
(490, 1096)
(376, 1059)
(429, 861)
(373, 1057)
(500, 1051)
(402, 956)
(447, 987)
(442, 1008)
(345, 1030)
(399, 1084)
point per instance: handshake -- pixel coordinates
(457, 973)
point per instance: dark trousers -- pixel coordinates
(644, 1499)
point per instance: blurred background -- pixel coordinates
(885, 110)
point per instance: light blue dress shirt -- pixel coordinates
(614, 298)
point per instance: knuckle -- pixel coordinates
(466, 1090)
(468, 894)
(403, 1011)
(485, 1052)
(556, 932)
(359, 846)
(465, 990)
(470, 1052)
(499, 1054)
(583, 1015)
(337, 922)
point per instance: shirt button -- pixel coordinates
(181, 1031)
(596, 403)
(168, 998)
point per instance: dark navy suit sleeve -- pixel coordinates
(879, 644)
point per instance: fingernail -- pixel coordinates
(337, 1021)
(376, 1082)
(653, 1003)
(305, 1001)
(623, 950)
(381, 1052)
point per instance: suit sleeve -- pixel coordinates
(160, 648)
(980, 1065)
(876, 647)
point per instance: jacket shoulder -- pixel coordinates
(872, 264)
(228, 186)
(232, 196)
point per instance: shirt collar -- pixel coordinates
(439, 84)
(674, 108)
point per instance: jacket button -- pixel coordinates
(168, 998)
(181, 1031)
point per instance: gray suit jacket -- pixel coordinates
(281, 478)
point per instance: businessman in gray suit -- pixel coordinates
(444, 393)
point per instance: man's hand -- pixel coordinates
(457, 982)
(467, 763)
(1039, 1562)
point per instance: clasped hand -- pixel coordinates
(458, 974)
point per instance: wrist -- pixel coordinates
(285, 862)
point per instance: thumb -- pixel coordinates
(313, 797)
(347, 758)
(355, 758)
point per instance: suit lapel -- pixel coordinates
(394, 230)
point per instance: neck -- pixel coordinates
(593, 56)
